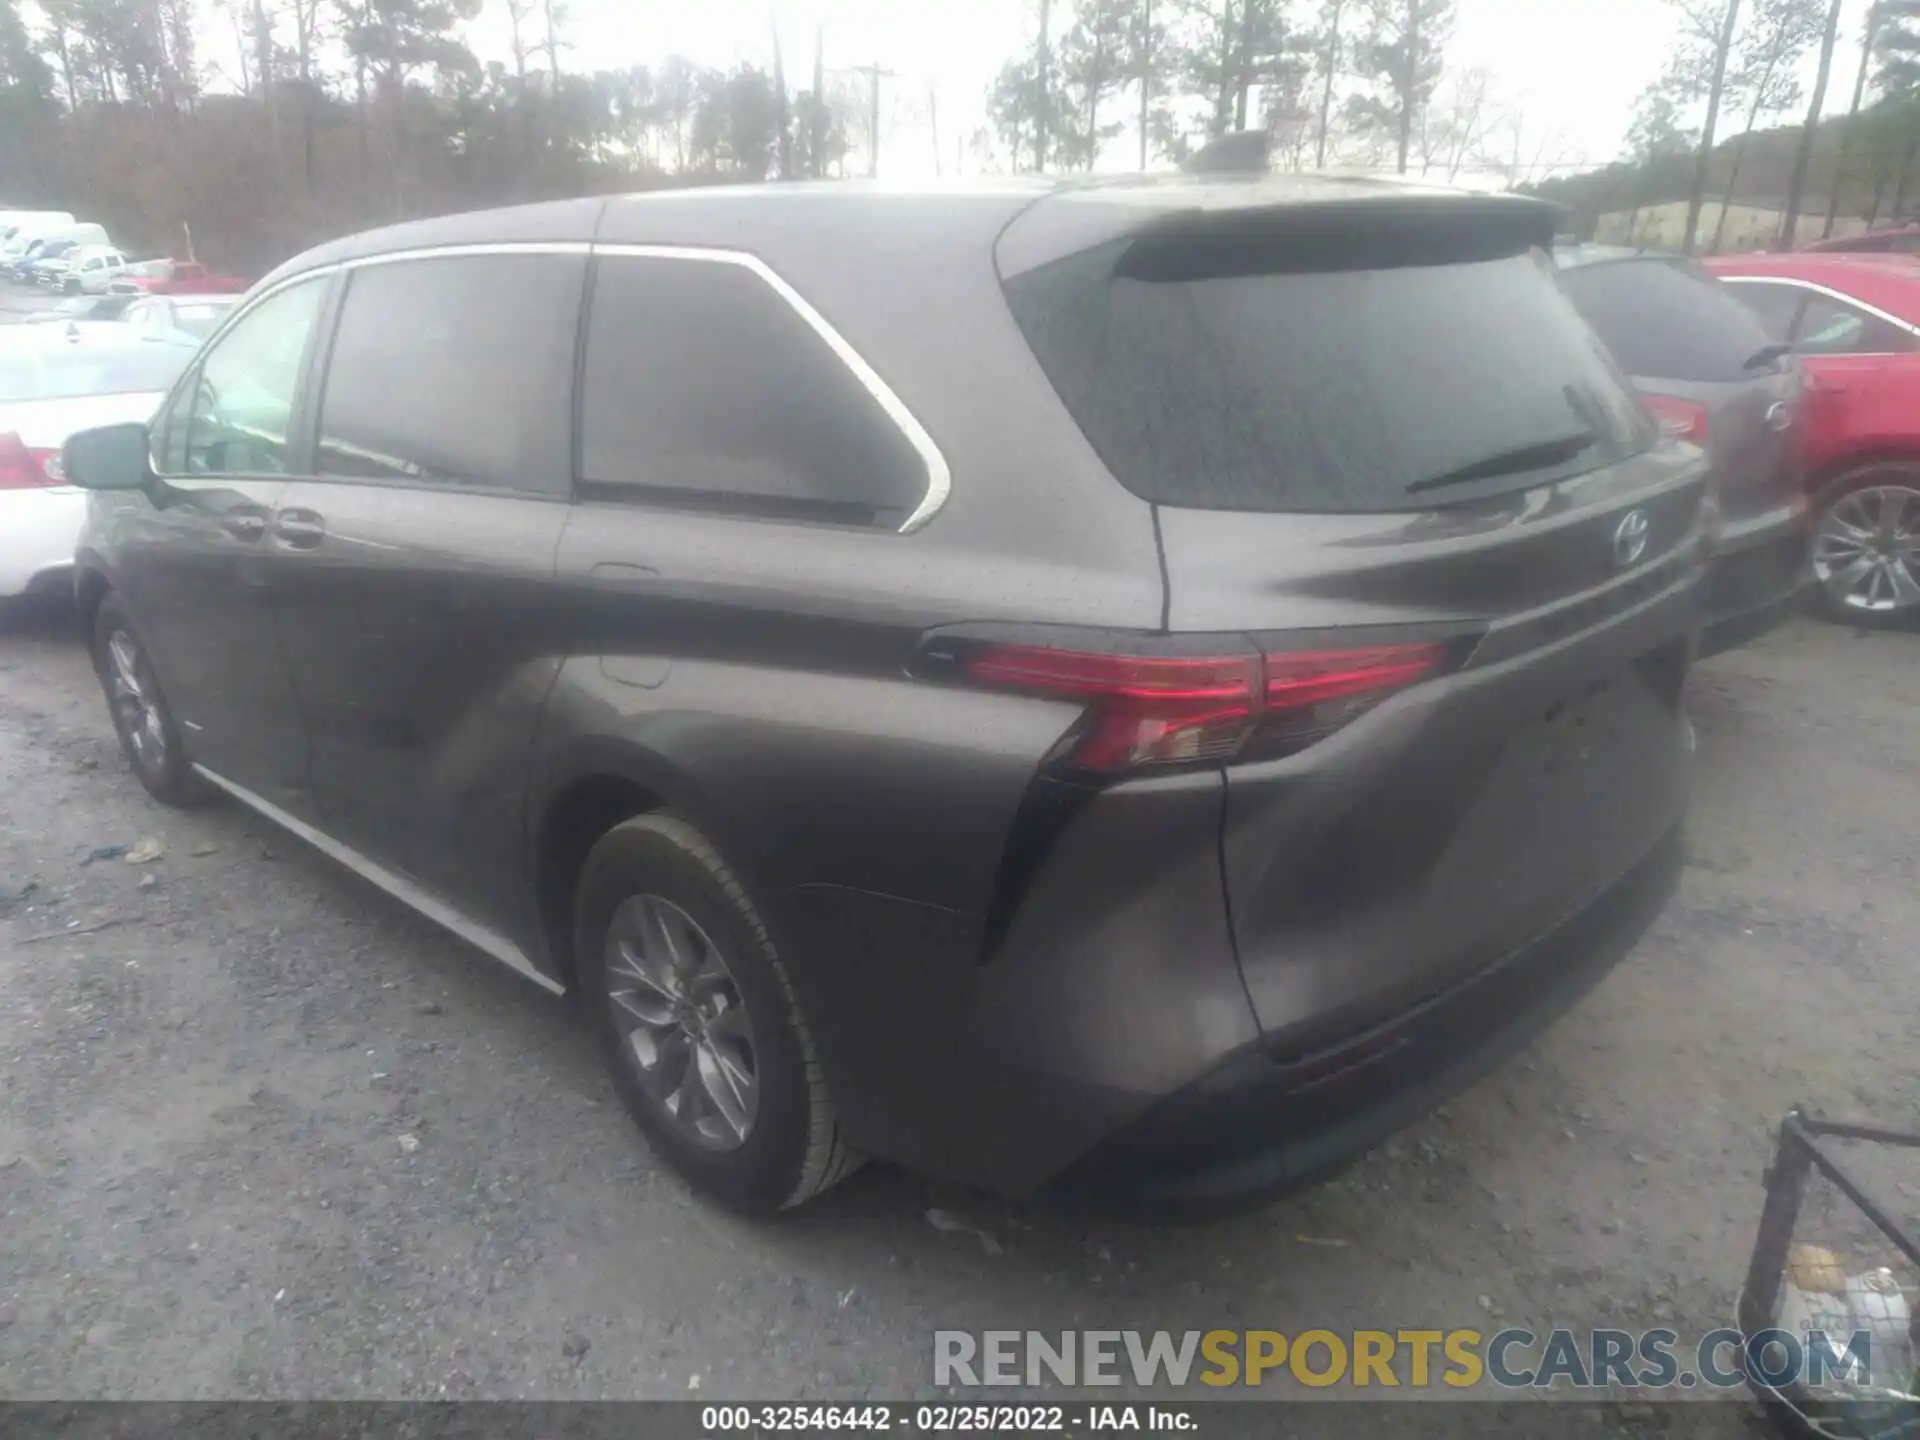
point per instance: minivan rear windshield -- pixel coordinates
(1667, 320)
(1349, 391)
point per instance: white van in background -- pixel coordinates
(14, 222)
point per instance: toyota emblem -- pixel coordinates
(1779, 416)
(1630, 538)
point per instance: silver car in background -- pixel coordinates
(1713, 378)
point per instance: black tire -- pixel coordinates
(158, 757)
(1853, 487)
(793, 1149)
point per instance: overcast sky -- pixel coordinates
(1574, 67)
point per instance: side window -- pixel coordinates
(1828, 327)
(703, 386)
(234, 417)
(1776, 307)
(455, 371)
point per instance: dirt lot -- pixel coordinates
(267, 1134)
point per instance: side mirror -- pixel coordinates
(112, 457)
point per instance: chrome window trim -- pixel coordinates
(939, 476)
(1854, 301)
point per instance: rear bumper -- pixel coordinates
(1757, 577)
(38, 530)
(1258, 1125)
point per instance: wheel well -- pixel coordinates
(1824, 482)
(575, 819)
(88, 595)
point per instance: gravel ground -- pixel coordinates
(266, 1134)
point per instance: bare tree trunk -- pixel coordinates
(817, 117)
(1095, 84)
(1409, 81)
(240, 45)
(1043, 82)
(263, 51)
(1331, 63)
(1146, 75)
(1803, 155)
(63, 48)
(517, 12)
(1697, 196)
(785, 152)
(1223, 82)
(1739, 159)
(553, 50)
(1243, 63)
(305, 16)
(933, 123)
(360, 105)
(1853, 116)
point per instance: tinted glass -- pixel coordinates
(53, 373)
(240, 408)
(455, 371)
(1350, 391)
(704, 386)
(1666, 320)
(1776, 307)
(1828, 327)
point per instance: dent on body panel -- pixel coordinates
(829, 778)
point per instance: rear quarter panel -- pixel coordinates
(1861, 408)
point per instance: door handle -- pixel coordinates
(245, 524)
(299, 529)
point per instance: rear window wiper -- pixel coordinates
(1537, 456)
(1766, 355)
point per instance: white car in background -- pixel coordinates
(192, 316)
(54, 380)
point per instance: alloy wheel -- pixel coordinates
(135, 705)
(1866, 551)
(683, 1025)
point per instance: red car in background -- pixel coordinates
(1895, 240)
(1854, 321)
(183, 277)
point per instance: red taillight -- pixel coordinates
(24, 469)
(1682, 419)
(1166, 710)
(1320, 676)
(1147, 709)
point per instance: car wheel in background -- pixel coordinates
(699, 1020)
(1866, 545)
(148, 734)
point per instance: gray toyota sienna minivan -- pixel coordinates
(1121, 692)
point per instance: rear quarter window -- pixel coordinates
(704, 387)
(1665, 320)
